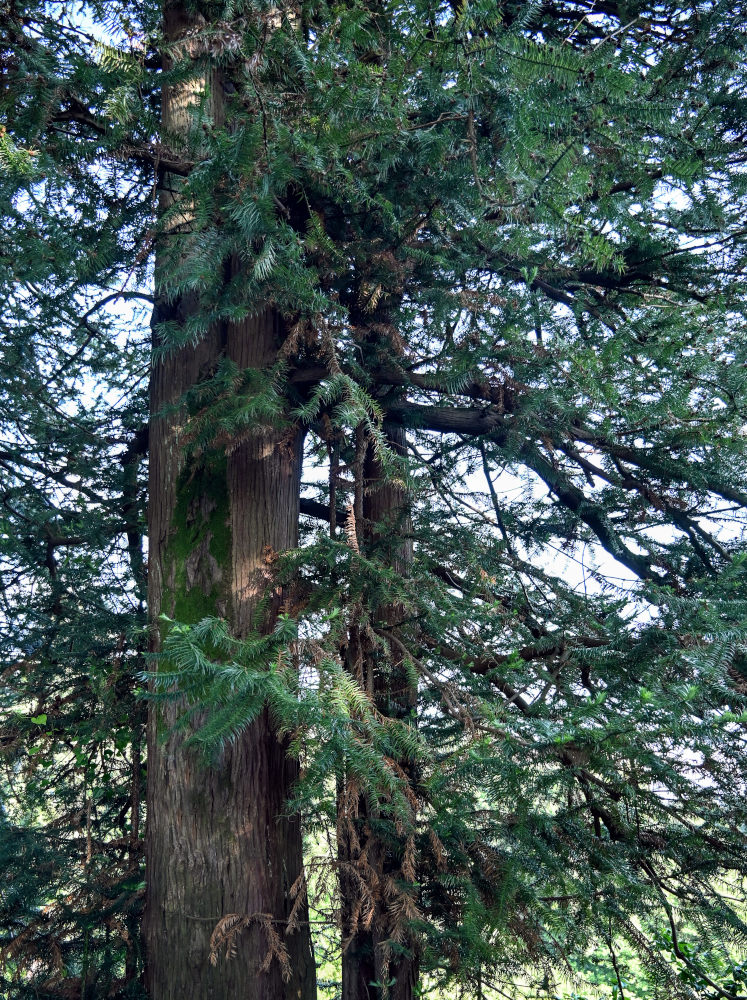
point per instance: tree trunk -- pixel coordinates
(367, 957)
(220, 848)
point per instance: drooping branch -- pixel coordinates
(592, 514)
(156, 155)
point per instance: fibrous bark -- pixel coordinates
(221, 850)
(371, 966)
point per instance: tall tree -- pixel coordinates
(506, 237)
(375, 851)
(73, 588)
(224, 859)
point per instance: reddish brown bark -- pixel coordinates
(219, 843)
(218, 840)
(369, 961)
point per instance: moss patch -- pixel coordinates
(197, 561)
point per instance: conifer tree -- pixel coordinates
(222, 857)
(74, 384)
(487, 261)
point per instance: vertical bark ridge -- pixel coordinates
(365, 960)
(219, 840)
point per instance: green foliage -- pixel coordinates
(516, 231)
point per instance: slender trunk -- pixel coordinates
(221, 853)
(371, 967)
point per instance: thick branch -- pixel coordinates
(487, 420)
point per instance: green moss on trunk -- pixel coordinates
(198, 551)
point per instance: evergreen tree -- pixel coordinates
(483, 264)
(74, 384)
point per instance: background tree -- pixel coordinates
(74, 380)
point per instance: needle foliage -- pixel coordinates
(514, 231)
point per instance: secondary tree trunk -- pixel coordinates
(368, 957)
(219, 845)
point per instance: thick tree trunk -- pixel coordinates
(367, 957)
(220, 848)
